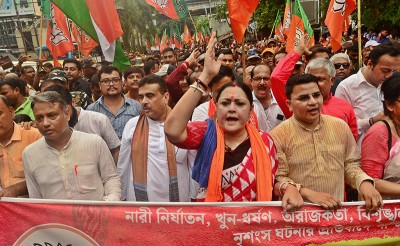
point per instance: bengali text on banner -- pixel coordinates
(50, 222)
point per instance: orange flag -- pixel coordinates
(240, 12)
(287, 19)
(279, 32)
(298, 27)
(187, 37)
(157, 41)
(85, 42)
(58, 40)
(148, 46)
(338, 13)
(164, 41)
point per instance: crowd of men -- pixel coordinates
(88, 131)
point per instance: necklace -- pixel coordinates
(229, 149)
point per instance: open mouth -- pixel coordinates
(313, 111)
(232, 119)
(262, 89)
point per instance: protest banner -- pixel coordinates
(50, 223)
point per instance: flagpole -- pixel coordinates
(195, 29)
(273, 26)
(244, 61)
(360, 64)
(40, 40)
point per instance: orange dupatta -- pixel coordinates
(261, 162)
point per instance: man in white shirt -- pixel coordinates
(268, 112)
(67, 164)
(362, 90)
(161, 172)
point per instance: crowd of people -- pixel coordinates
(207, 124)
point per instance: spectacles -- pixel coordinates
(345, 65)
(258, 79)
(109, 81)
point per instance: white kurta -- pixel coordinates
(157, 167)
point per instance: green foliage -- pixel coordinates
(221, 12)
(136, 18)
(266, 12)
(376, 14)
(201, 23)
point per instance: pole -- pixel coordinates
(360, 64)
(273, 27)
(20, 28)
(195, 29)
(40, 38)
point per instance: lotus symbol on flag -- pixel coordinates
(299, 34)
(57, 36)
(286, 25)
(161, 3)
(339, 6)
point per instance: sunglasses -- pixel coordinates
(345, 65)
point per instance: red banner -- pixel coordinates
(122, 223)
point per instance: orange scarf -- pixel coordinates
(261, 162)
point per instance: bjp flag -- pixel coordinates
(336, 17)
(240, 12)
(58, 39)
(85, 42)
(187, 37)
(287, 18)
(298, 27)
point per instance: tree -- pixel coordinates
(377, 14)
(136, 18)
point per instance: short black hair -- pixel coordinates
(299, 79)
(25, 68)
(224, 71)
(16, 83)
(131, 70)
(381, 50)
(225, 52)
(18, 118)
(168, 50)
(243, 86)
(5, 100)
(72, 60)
(48, 64)
(148, 65)
(109, 70)
(391, 91)
(154, 79)
(317, 49)
(65, 95)
(94, 81)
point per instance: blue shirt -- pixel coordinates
(129, 109)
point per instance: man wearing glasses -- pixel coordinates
(118, 108)
(341, 61)
(268, 112)
(362, 90)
